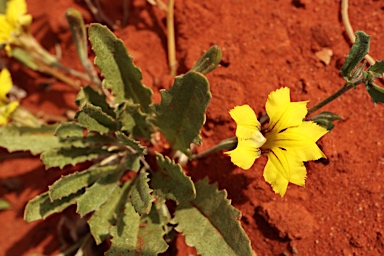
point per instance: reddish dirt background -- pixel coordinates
(266, 45)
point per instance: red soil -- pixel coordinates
(266, 45)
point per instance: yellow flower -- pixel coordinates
(12, 23)
(6, 107)
(287, 141)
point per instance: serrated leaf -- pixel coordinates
(124, 234)
(134, 145)
(94, 119)
(376, 92)
(121, 75)
(171, 182)
(140, 193)
(69, 129)
(98, 193)
(104, 218)
(325, 119)
(76, 181)
(64, 156)
(139, 236)
(134, 121)
(88, 95)
(358, 50)
(210, 224)
(181, 113)
(378, 67)
(36, 140)
(41, 206)
(4, 205)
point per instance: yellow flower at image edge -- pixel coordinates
(288, 141)
(12, 21)
(6, 107)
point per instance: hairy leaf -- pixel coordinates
(36, 140)
(358, 50)
(140, 193)
(378, 67)
(76, 181)
(325, 119)
(139, 236)
(64, 156)
(69, 129)
(88, 95)
(41, 206)
(98, 193)
(134, 121)
(94, 119)
(104, 218)
(171, 182)
(134, 145)
(121, 75)
(376, 92)
(210, 224)
(181, 113)
(124, 234)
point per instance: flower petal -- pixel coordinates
(15, 10)
(6, 111)
(245, 154)
(283, 168)
(5, 85)
(282, 112)
(245, 116)
(299, 141)
(5, 29)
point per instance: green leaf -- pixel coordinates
(210, 224)
(181, 113)
(378, 67)
(64, 156)
(98, 193)
(358, 50)
(325, 119)
(376, 92)
(130, 143)
(208, 61)
(36, 140)
(4, 205)
(41, 206)
(140, 193)
(88, 95)
(76, 181)
(124, 235)
(171, 182)
(94, 119)
(69, 129)
(121, 75)
(138, 236)
(104, 217)
(134, 121)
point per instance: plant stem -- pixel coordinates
(224, 144)
(349, 29)
(171, 38)
(337, 94)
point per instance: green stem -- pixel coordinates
(224, 144)
(331, 98)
